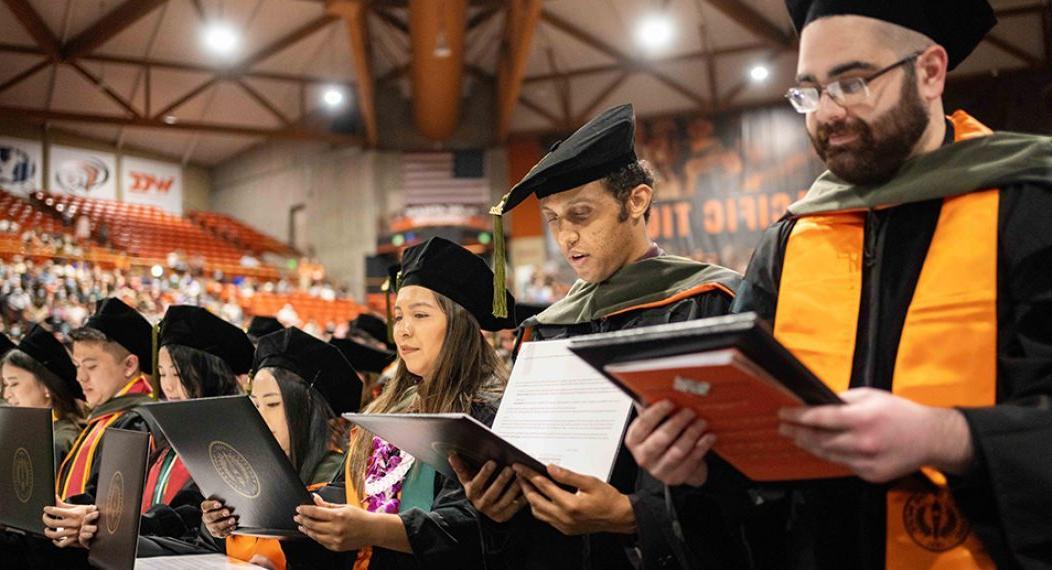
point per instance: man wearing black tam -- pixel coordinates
(595, 196)
(5, 346)
(911, 279)
(113, 358)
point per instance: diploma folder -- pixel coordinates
(27, 468)
(232, 456)
(122, 476)
(432, 437)
(733, 373)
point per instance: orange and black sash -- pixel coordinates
(947, 353)
(245, 547)
(75, 470)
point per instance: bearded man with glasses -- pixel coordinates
(914, 279)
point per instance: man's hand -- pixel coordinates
(63, 522)
(498, 498)
(219, 520)
(595, 507)
(670, 448)
(881, 436)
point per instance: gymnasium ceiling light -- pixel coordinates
(655, 33)
(759, 73)
(220, 38)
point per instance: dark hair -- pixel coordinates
(202, 375)
(89, 334)
(307, 415)
(63, 401)
(622, 181)
(468, 371)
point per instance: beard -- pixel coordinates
(880, 148)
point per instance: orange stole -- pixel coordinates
(82, 455)
(245, 547)
(947, 351)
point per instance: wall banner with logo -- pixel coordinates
(21, 165)
(152, 183)
(82, 172)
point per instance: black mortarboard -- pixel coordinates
(364, 357)
(196, 327)
(126, 327)
(262, 326)
(6, 344)
(957, 25)
(447, 268)
(42, 346)
(594, 151)
(317, 362)
(372, 326)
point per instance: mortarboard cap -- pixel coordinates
(320, 364)
(447, 268)
(42, 346)
(262, 326)
(6, 344)
(957, 25)
(126, 327)
(198, 328)
(364, 357)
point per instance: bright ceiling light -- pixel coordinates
(655, 32)
(759, 73)
(221, 38)
(332, 96)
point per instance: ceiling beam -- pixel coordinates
(753, 21)
(482, 17)
(519, 28)
(27, 113)
(113, 23)
(263, 101)
(283, 42)
(34, 24)
(181, 66)
(1024, 10)
(526, 102)
(1013, 50)
(588, 111)
(355, 17)
(385, 15)
(97, 82)
(692, 56)
(15, 80)
(562, 86)
(628, 62)
(186, 97)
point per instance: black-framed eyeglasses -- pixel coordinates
(844, 92)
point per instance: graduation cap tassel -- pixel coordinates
(155, 382)
(387, 286)
(500, 301)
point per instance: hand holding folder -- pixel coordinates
(731, 372)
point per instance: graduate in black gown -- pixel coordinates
(912, 278)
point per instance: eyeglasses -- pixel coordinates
(844, 92)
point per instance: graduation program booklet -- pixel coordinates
(733, 373)
(556, 409)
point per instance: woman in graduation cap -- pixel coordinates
(299, 386)
(39, 373)
(199, 356)
(399, 513)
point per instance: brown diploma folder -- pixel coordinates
(731, 372)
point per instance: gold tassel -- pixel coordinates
(500, 301)
(386, 288)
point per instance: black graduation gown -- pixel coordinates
(841, 524)
(447, 536)
(527, 543)
(172, 528)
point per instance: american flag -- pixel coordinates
(430, 178)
